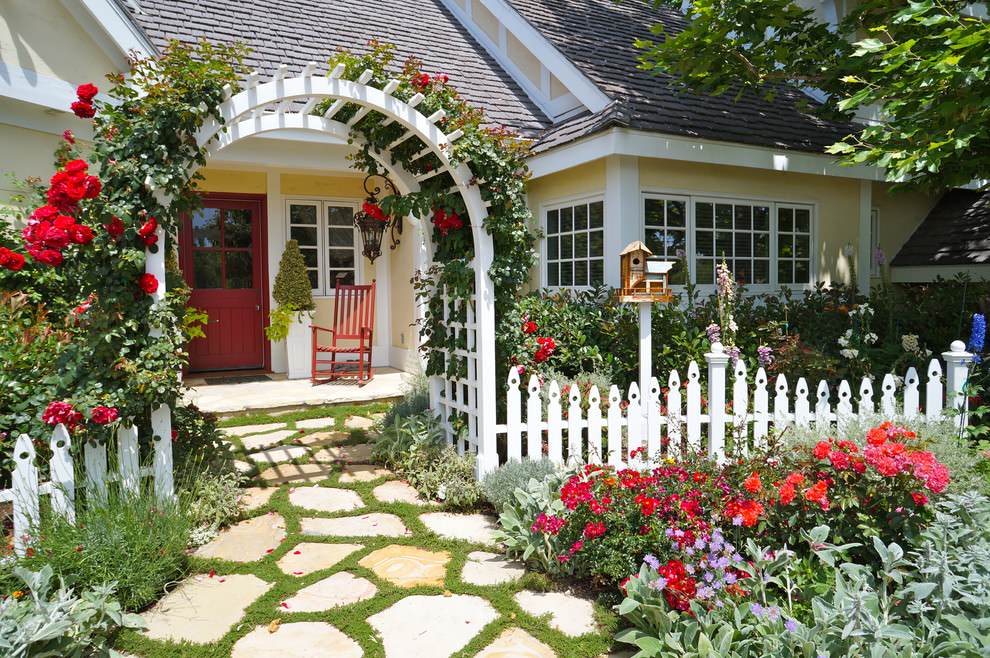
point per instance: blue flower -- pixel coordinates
(757, 609)
(737, 520)
(730, 579)
(659, 584)
(977, 335)
(791, 625)
(652, 561)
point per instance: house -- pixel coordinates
(619, 155)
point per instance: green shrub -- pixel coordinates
(409, 442)
(292, 286)
(42, 622)
(499, 486)
(134, 541)
(415, 400)
(448, 477)
(198, 446)
(516, 532)
(212, 504)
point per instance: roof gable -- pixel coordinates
(955, 232)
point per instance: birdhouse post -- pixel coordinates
(644, 282)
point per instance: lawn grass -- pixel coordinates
(352, 619)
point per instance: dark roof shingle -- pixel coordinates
(597, 36)
(295, 32)
(955, 232)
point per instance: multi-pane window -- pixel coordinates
(575, 245)
(222, 248)
(762, 243)
(326, 236)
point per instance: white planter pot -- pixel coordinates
(299, 347)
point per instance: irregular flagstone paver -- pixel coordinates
(246, 541)
(308, 557)
(569, 614)
(352, 454)
(324, 499)
(203, 609)
(254, 498)
(475, 528)
(434, 626)
(516, 643)
(338, 590)
(483, 568)
(359, 423)
(318, 439)
(243, 467)
(363, 473)
(265, 440)
(315, 423)
(251, 429)
(278, 455)
(408, 566)
(367, 525)
(284, 473)
(398, 492)
(301, 639)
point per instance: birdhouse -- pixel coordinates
(643, 275)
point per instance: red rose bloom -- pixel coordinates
(61, 412)
(752, 483)
(420, 80)
(148, 283)
(839, 459)
(11, 260)
(374, 210)
(149, 232)
(529, 327)
(83, 110)
(87, 92)
(919, 498)
(818, 493)
(103, 415)
(68, 136)
(82, 234)
(47, 256)
(115, 227)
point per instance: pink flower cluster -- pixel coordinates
(548, 524)
(61, 412)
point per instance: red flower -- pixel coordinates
(82, 234)
(11, 260)
(47, 256)
(83, 110)
(446, 222)
(115, 227)
(148, 232)
(529, 327)
(786, 493)
(818, 493)
(420, 80)
(148, 283)
(374, 210)
(87, 92)
(821, 450)
(919, 498)
(839, 459)
(103, 415)
(61, 412)
(68, 136)
(752, 483)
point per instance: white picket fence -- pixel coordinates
(26, 491)
(665, 425)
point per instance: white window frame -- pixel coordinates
(322, 203)
(694, 197)
(570, 202)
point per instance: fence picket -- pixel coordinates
(694, 407)
(802, 407)
(127, 459)
(866, 407)
(574, 429)
(25, 488)
(62, 475)
(740, 407)
(513, 423)
(888, 404)
(161, 436)
(614, 426)
(634, 427)
(934, 391)
(911, 396)
(95, 458)
(823, 407)
(781, 403)
(534, 414)
(761, 406)
(594, 426)
(554, 438)
(654, 423)
(718, 360)
(674, 423)
(844, 408)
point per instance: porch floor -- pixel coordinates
(280, 393)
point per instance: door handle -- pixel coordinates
(257, 307)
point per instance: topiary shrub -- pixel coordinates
(292, 285)
(500, 485)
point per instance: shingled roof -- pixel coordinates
(955, 232)
(597, 36)
(295, 32)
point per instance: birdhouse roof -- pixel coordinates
(636, 246)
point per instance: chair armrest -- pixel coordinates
(367, 330)
(319, 328)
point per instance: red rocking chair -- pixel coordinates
(353, 324)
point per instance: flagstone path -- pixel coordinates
(339, 558)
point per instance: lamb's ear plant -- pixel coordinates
(516, 533)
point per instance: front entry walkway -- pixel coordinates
(357, 565)
(274, 392)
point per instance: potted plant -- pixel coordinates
(292, 318)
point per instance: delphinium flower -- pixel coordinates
(714, 333)
(764, 355)
(977, 336)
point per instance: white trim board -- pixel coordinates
(638, 143)
(36, 88)
(926, 273)
(112, 28)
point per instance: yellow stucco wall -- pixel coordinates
(899, 214)
(29, 28)
(24, 153)
(836, 201)
(232, 181)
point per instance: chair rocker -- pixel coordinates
(352, 334)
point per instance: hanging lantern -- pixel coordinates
(372, 221)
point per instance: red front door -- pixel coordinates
(222, 260)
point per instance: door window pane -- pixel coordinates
(596, 214)
(206, 227)
(206, 269)
(239, 271)
(237, 228)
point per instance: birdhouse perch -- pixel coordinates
(643, 275)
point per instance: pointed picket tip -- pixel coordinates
(674, 381)
(554, 390)
(781, 383)
(633, 392)
(911, 378)
(889, 383)
(845, 390)
(654, 388)
(761, 377)
(866, 387)
(574, 395)
(740, 369)
(694, 373)
(614, 396)
(823, 392)
(24, 448)
(594, 397)
(534, 385)
(934, 369)
(802, 387)
(513, 379)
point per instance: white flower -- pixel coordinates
(909, 342)
(442, 492)
(733, 327)
(843, 341)
(871, 338)
(849, 353)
